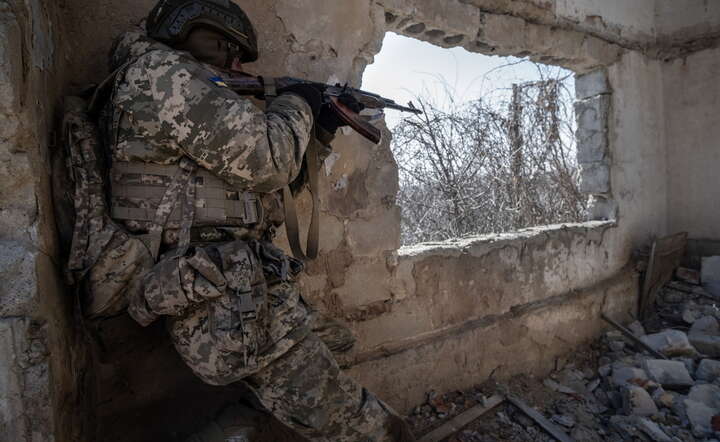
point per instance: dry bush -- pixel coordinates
(489, 165)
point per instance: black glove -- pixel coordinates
(350, 101)
(310, 94)
(329, 119)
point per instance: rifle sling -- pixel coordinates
(291, 219)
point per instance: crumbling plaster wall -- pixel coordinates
(692, 125)
(695, 21)
(423, 315)
(41, 358)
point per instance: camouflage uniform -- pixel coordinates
(233, 309)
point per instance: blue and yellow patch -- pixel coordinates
(219, 81)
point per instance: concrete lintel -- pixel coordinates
(459, 23)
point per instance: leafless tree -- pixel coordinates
(489, 165)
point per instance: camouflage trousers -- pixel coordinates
(305, 390)
(229, 326)
(297, 378)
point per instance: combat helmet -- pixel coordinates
(171, 21)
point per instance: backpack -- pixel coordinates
(104, 262)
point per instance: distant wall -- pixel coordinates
(692, 124)
(638, 154)
(681, 22)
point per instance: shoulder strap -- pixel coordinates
(291, 219)
(181, 190)
(99, 94)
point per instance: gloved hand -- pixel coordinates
(308, 93)
(328, 119)
(350, 101)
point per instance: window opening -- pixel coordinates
(495, 150)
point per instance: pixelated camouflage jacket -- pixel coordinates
(164, 107)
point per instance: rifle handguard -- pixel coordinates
(355, 121)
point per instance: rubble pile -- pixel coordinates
(662, 386)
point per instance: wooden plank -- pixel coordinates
(462, 420)
(628, 334)
(546, 425)
(666, 255)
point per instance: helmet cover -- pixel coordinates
(171, 21)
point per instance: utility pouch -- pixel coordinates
(237, 318)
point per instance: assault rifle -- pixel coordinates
(332, 96)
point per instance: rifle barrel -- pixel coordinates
(253, 85)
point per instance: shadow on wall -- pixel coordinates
(146, 392)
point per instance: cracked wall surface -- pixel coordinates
(40, 384)
(446, 314)
(692, 125)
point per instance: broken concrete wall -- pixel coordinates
(460, 311)
(41, 358)
(691, 122)
(451, 303)
(637, 148)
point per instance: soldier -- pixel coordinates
(195, 176)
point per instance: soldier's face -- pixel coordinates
(212, 48)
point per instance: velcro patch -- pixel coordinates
(219, 81)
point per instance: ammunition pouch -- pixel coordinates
(138, 188)
(227, 279)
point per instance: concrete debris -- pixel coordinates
(691, 313)
(617, 346)
(710, 274)
(611, 392)
(549, 383)
(637, 402)
(672, 375)
(637, 329)
(653, 430)
(700, 417)
(663, 398)
(708, 370)
(707, 394)
(689, 364)
(688, 275)
(670, 343)
(565, 420)
(705, 336)
(624, 375)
